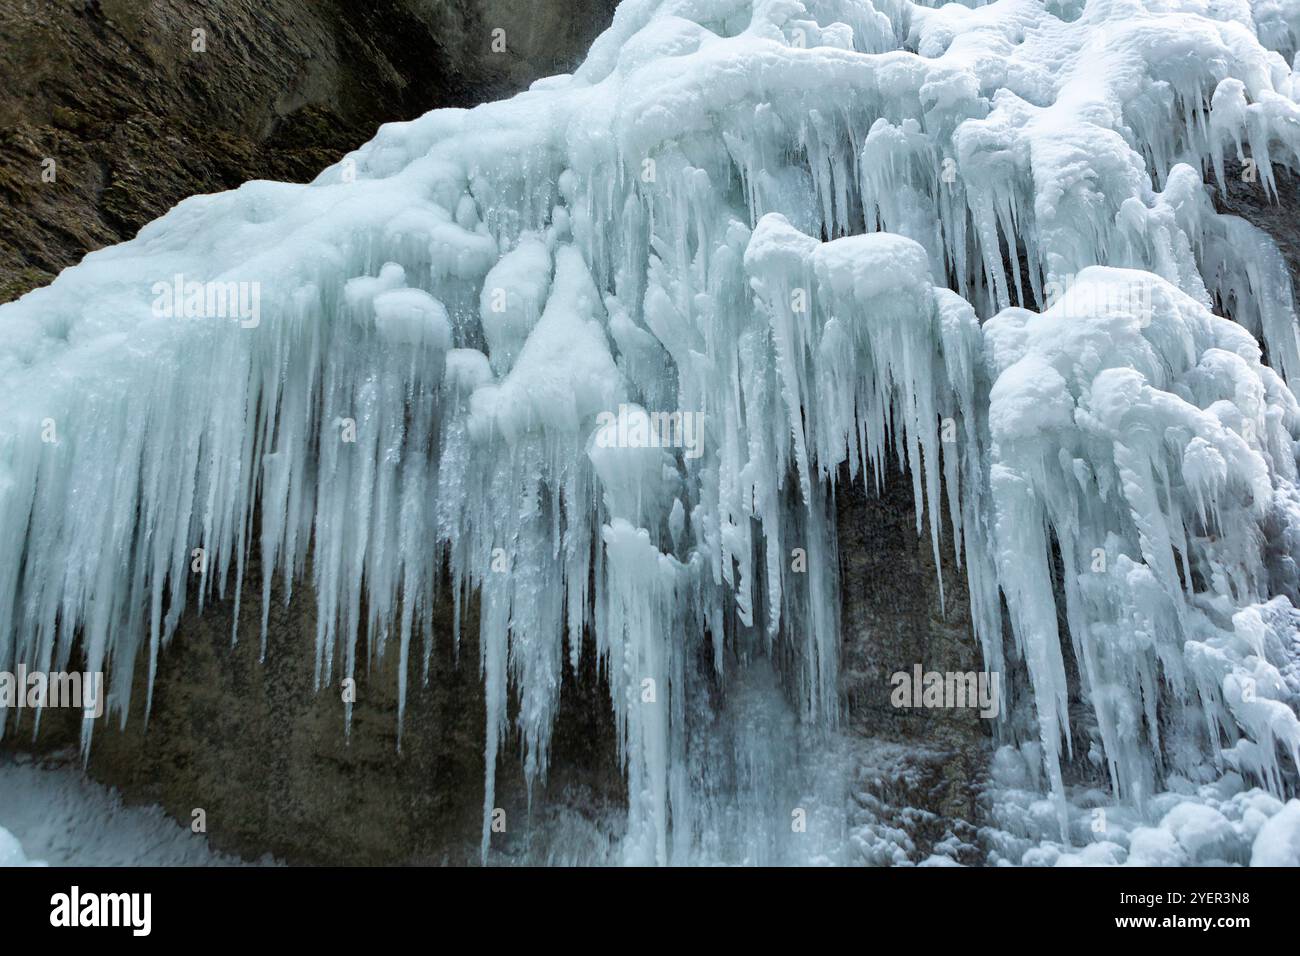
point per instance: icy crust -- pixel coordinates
(51, 814)
(1071, 136)
(1153, 447)
(1277, 23)
(747, 214)
(1223, 823)
(11, 851)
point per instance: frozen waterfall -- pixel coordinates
(600, 354)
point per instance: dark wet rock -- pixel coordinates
(921, 766)
(1279, 216)
(114, 92)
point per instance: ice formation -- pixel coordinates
(11, 851)
(840, 234)
(50, 814)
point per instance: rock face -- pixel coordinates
(112, 111)
(1245, 195)
(893, 620)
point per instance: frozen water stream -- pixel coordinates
(976, 239)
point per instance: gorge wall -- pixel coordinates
(137, 111)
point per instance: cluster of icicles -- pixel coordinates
(458, 319)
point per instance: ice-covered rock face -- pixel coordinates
(587, 349)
